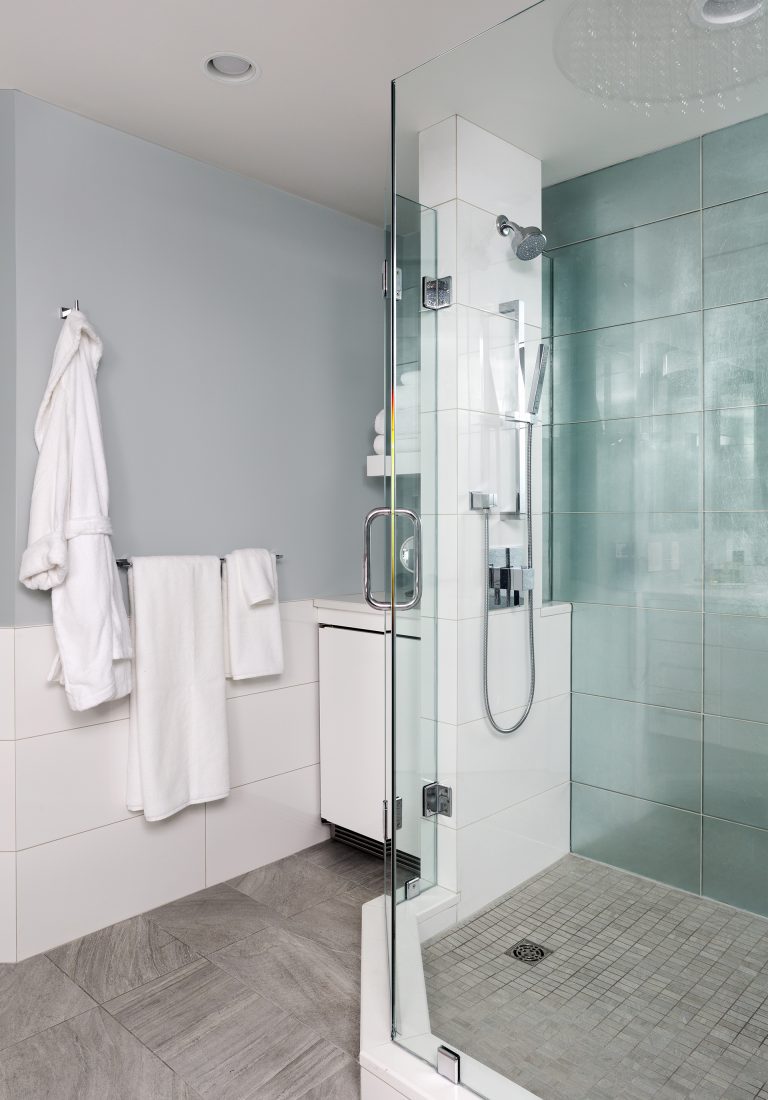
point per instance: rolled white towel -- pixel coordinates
(409, 378)
(380, 423)
(379, 445)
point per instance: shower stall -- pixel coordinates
(578, 395)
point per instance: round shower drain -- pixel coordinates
(528, 952)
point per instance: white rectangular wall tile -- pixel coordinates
(497, 176)
(497, 772)
(273, 732)
(71, 781)
(7, 796)
(262, 822)
(7, 717)
(300, 653)
(508, 661)
(7, 907)
(498, 853)
(437, 163)
(71, 887)
(42, 707)
(487, 271)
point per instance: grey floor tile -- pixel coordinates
(344, 1085)
(90, 1057)
(336, 923)
(34, 995)
(318, 986)
(224, 1039)
(121, 957)
(212, 918)
(290, 885)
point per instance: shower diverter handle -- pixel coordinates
(370, 599)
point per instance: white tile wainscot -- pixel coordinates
(74, 859)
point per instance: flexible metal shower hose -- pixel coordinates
(531, 648)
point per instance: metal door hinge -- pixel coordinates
(385, 282)
(437, 799)
(449, 1064)
(412, 888)
(399, 812)
(436, 293)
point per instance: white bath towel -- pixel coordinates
(380, 423)
(69, 549)
(252, 615)
(379, 445)
(177, 749)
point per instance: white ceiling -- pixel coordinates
(317, 121)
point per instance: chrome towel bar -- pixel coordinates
(125, 563)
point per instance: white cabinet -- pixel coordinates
(354, 705)
(353, 685)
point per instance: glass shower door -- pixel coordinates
(413, 551)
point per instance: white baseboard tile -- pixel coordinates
(7, 796)
(71, 781)
(74, 886)
(273, 732)
(42, 707)
(498, 853)
(262, 822)
(7, 907)
(7, 710)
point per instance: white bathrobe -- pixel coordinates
(69, 548)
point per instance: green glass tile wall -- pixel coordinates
(657, 458)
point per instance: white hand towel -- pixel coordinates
(178, 750)
(254, 634)
(380, 423)
(379, 445)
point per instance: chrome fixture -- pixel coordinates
(126, 563)
(508, 572)
(527, 242)
(437, 293)
(64, 311)
(415, 556)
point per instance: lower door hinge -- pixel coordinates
(437, 799)
(449, 1064)
(385, 281)
(398, 812)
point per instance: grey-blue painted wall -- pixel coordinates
(243, 331)
(7, 362)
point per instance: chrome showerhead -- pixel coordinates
(527, 242)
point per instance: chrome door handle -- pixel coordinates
(370, 599)
(416, 521)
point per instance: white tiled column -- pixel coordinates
(511, 794)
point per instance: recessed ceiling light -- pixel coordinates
(724, 13)
(231, 68)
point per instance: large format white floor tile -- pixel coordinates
(496, 854)
(70, 781)
(7, 717)
(262, 822)
(42, 707)
(71, 887)
(273, 732)
(7, 796)
(7, 907)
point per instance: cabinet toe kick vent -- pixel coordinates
(437, 799)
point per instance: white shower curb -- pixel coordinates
(388, 1070)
